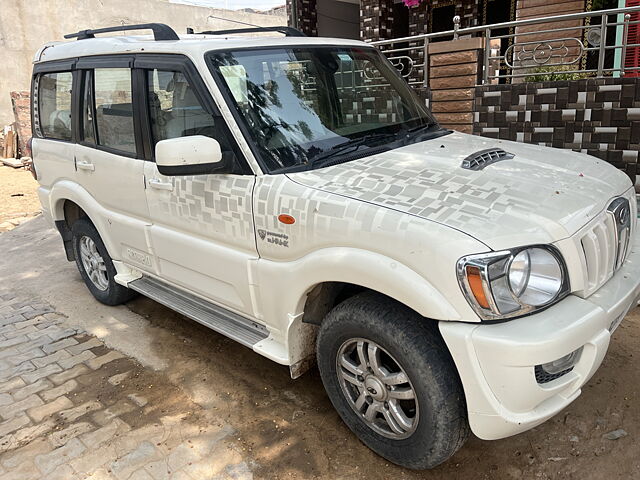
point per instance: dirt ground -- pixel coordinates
(18, 197)
(290, 430)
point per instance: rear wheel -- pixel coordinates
(95, 265)
(391, 378)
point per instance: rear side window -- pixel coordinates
(54, 105)
(114, 109)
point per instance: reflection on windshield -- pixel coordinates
(300, 103)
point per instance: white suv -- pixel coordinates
(295, 195)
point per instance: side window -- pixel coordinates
(174, 108)
(54, 105)
(88, 115)
(114, 109)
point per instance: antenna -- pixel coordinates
(234, 21)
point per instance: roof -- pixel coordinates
(193, 45)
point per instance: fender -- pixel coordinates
(295, 279)
(102, 219)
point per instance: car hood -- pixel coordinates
(541, 195)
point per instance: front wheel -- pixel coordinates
(391, 378)
(95, 265)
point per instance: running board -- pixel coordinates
(230, 324)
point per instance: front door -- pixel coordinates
(202, 235)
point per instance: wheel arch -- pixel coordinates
(315, 282)
(69, 202)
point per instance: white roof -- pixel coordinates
(191, 45)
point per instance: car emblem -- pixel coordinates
(623, 214)
(262, 233)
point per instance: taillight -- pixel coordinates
(29, 164)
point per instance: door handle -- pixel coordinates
(157, 184)
(86, 166)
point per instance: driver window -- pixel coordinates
(174, 108)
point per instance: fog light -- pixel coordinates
(562, 363)
(548, 372)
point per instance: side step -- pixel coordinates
(230, 324)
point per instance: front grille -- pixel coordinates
(599, 246)
(544, 377)
(602, 252)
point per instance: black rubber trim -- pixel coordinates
(66, 65)
(65, 233)
(160, 31)
(287, 31)
(76, 101)
(139, 111)
(106, 61)
(226, 166)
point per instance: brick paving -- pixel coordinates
(72, 408)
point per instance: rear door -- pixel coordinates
(109, 153)
(53, 125)
(202, 234)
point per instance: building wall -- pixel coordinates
(302, 14)
(528, 9)
(598, 116)
(338, 19)
(376, 20)
(27, 25)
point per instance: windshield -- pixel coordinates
(301, 105)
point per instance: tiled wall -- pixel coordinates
(307, 20)
(600, 117)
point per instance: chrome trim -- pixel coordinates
(483, 261)
(620, 210)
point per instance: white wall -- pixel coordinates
(26, 24)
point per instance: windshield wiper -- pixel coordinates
(349, 146)
(413, 132)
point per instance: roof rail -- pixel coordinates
(288, 31)
(160, 31)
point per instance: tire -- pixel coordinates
(103, 288)
(406, 342)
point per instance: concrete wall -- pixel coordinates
(26, 24)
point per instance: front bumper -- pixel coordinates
(496, 362)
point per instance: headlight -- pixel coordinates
(513, 283)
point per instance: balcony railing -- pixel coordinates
(564, 47)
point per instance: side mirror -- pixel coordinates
(193, 155)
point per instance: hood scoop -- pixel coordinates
(484, 158)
